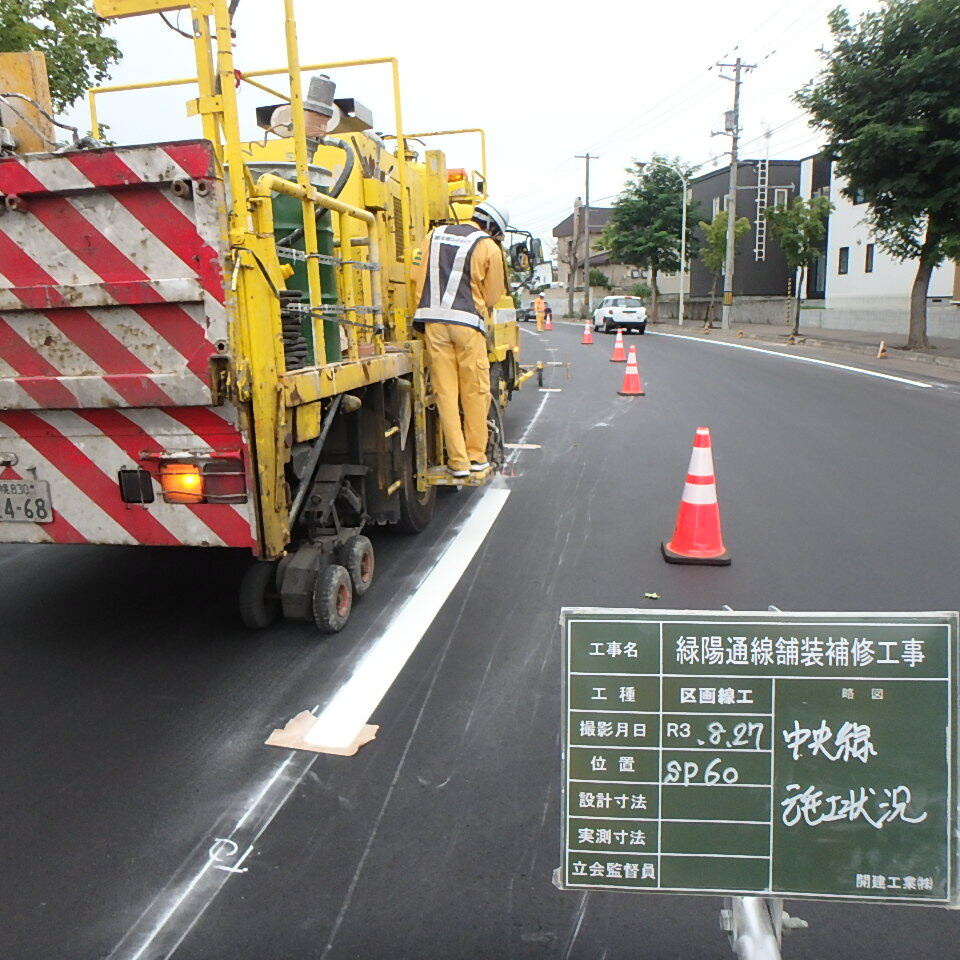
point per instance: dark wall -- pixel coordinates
(750, 277)
(817, 275)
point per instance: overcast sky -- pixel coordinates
(547, 81)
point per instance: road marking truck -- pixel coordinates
(208, 342)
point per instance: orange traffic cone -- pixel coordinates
(587, 334)
(632, 386)
(547, 322)
(618, 355)
(697, 537)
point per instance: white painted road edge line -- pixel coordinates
(791, 356)
(342, 719)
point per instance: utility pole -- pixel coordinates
(586, 157)
(732, 127)
(572, 256)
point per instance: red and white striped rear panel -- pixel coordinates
(112, 306)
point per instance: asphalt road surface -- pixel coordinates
(135, 706)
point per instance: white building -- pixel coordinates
(868, 289)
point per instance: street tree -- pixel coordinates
(888, 100)
(799, 229)
(644, 226)
(69, 34)
(713, 250)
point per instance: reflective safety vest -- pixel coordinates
(447, 290)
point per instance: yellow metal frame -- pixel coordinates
(258, 352)
(451, 133)
(284, 404)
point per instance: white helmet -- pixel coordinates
(488, 213)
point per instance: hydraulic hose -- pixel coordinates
(337, 188)
(349, 161)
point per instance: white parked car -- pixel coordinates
(620, 313)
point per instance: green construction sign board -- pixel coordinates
(781, 754)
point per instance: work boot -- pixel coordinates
(459, 474)
(479, 467)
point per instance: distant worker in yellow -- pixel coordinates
(459, 279)
(540, 309)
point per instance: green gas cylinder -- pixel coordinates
(287, 217)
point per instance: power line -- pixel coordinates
(640, 116)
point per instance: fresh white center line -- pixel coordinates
(791, 356)
(341, 719)
(550, 389)
(522, 446)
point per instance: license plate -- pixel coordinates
(23, 501)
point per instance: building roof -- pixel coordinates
(598, 219)
(725, 171)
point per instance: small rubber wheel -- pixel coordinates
(356, 555)
(259, 600)
(332, 599)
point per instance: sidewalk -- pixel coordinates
(944, 352)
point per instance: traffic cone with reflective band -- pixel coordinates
(547, 322)
(632, 387)
(587, 334)
(618, 354)
(697, 537)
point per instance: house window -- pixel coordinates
(780, 196)
(868, 258)
(843, 266)
(859, 196)
(635, 274)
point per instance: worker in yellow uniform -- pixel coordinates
(459, 279)
(540, 309)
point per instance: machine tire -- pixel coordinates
(499, 381)
(356, 555)
(416, 509)
(332, 598)
(259, 601)
(495, 455)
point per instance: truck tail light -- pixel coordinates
(224, 481)
(204, 480)
(181, 482)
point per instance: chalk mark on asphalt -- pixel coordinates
(790, 356)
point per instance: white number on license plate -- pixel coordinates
(23, 501)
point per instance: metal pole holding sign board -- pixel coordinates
(761, 755)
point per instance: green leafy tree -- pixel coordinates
(599, 279)
(713, 250)
(71, 36)
(641, 290)
(644, 227)
(888, 100)
(799, 229)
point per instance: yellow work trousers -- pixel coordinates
(540, 317)
(460, 373)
